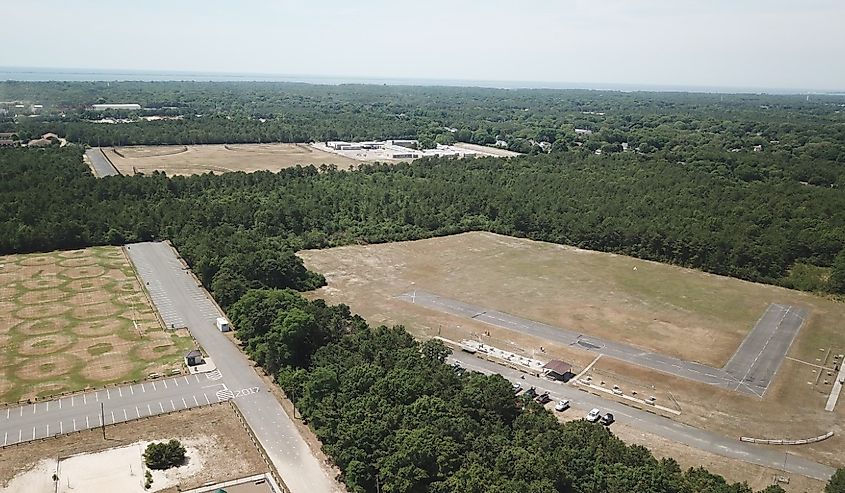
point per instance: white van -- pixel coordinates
(223, 325)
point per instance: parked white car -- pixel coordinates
(562, 405)
(593, 416)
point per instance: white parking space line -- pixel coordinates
(161, 406)
(196, 402)
(150, 410)
(87, 424)
(74, 424)
(206, 399)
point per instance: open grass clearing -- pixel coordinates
(65, 330)
(220, 158)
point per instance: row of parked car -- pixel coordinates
(593, 416)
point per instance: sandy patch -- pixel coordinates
(88, 284)
(44, 282)
(48, 344)
(95, 311)
(39, 479)
(78, 262)
(74, 253)
(153, 350)
(116, 274)
(46, 367)
(98, 327)
(42, 326)
(42, 296)
(107, 367)
(35, 260)
(41, 311)
(84, 272)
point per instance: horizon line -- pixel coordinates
(213, 76)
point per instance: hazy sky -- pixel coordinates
(796, 44)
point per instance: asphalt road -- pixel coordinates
(732, 448)
(751, 369)
(83, 411)
(182, 301)
(101, 164)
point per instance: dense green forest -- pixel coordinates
(241, 230)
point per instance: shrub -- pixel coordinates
(164, 455)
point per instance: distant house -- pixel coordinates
(8, 143)
(193, 358)
(758, 148)
(583, 131)
(558, 370)
(7, 135)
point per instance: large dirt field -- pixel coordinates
(220, 158)
(77, 319)
(682, 312)
(213, 432)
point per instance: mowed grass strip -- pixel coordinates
(77, 319)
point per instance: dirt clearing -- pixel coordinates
(220, 158)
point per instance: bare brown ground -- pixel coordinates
(233, 456)
(45, 282)
(686, 313)
(44, 367)
(78, 262)
(42, 326)
(84, 272)
(108, 367)
(40, 311)
(95, 311)
(219, 158)
(97, 327)
(83, 285)
(40, 296)
(37, 260)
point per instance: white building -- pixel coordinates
(116, 106)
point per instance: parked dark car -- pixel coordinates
(543, 398)
(531, 393)
(607, 419)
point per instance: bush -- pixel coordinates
(164, 455)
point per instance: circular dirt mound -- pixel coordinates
(107, 368)
(41, 296)
(98, 327)
(37, 260)
(95, 311)
(84, 272)
(78, 262)
(50, 366)
(46, 344)
(42, 326)
(38, 311)
(46, 282)
(85, 285)
(73, 254)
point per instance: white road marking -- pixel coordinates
(48, 405)
(176, 382)
(33, 433)
(184, 403)
(206, 399)
(125, 416)
(20, 435)
(61, 428)
(87, 424)
(172, 404)
(137, 411)
(150, 410)
(165, 383)
(112, 417)
(108, 394)
(196, 402)
(143, 389)
(131, 390)
(6, 439)
(120, 391)
(84, 399)
(161, 406)
(154, 385)
(74, 424)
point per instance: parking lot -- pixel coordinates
(111, 405)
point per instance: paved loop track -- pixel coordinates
(750, 370)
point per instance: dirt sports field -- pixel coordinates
(681, 312)
(76, 319)
(219, 158)
(219, 449)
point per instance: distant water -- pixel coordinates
(79, 74)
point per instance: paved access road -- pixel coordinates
(101, 164)
(113, 405)
(732, 448)
(749, 371)
(182, 302)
